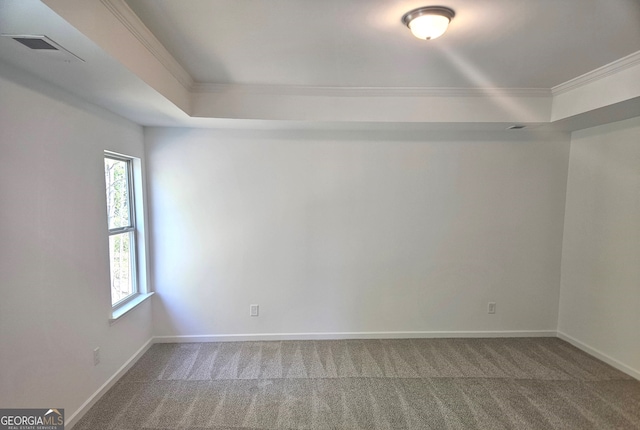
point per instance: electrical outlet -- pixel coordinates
(491, 308)
(253, 310)
(96, 356)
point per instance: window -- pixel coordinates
(121, 216)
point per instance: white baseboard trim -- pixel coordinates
(350, 335)
(600, 355)
(77, 415)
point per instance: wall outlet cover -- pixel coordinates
(96, 356)
(491, 308)
(253, 310)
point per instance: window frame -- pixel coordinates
(131, 229)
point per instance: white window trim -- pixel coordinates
(129, 305)
(143, 291)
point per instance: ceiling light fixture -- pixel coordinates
(428, 22)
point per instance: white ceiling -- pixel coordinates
(362, 43)
(337, 64)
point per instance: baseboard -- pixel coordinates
(350, 335)
(600, 355)
(77, 415)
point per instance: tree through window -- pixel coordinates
(121, 224)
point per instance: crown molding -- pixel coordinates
(315, 91)
(599, 73)
(121, 10)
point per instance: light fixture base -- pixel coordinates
(427, 10)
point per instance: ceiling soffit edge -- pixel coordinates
(121, 10)
(313, 91)
(599, 73)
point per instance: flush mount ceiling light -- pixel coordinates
(428, 22)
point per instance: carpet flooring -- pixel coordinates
(513, 383)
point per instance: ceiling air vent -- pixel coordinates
(42, 44)
(35, 42)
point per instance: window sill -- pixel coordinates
(130, 305)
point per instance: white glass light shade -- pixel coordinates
(429, 26)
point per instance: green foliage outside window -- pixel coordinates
(121, 228)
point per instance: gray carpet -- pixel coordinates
(515, 383)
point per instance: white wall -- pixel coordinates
(54, 266)
(600, 293)
(334, 232)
